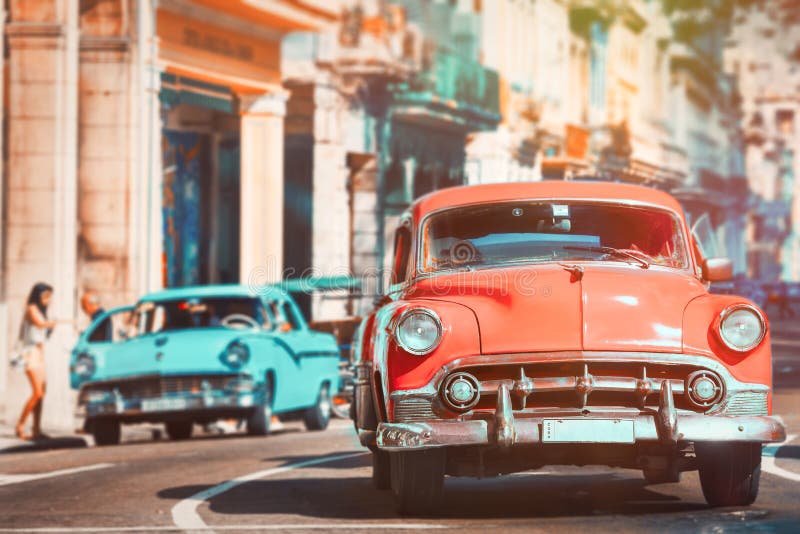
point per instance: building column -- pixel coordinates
(261, 213)
(104, 178)
(41, 185)
(330, 240)
(4, 345)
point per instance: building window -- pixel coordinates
(784, 121)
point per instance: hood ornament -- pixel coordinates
(575, 271)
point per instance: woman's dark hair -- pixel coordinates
(35, 296)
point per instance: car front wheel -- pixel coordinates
(258, 422)
(105, 432)
(418, 480)
(179, 430)
(318, 416)
(729, 472)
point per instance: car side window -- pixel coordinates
(264, 317)
(112, 329)
(402, 250)
(283, 318)
(291, 317)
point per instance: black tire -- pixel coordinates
(105, 432)
(418, 480)
(381, 470)
(729, 472)
(259, 421)
(318, 416)
(179, 430)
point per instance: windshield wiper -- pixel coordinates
(611, 251)
(455, 266)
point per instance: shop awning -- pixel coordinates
(177, 90)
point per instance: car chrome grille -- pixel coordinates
(747, 403)
(583, 384)
(412, 409)
(152, 387)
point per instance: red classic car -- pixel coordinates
(559, 323)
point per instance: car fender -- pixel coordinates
(700, 320)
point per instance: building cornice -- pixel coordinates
(23, 30)
(220, 19)
(271, 104)
(105, 44)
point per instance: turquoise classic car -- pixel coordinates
(200, 354)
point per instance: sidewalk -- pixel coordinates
(9, 442)
(138, 433)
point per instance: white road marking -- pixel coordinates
(6, 480)
(185, 516)
(768, 463)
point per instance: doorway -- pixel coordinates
(201, 205)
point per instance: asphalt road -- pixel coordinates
(320, 481)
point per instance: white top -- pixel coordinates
(30, 334)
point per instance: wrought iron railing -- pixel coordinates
(458, 82)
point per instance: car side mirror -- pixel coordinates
(717, 269)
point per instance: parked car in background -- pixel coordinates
(552, 322)
(342, 330)
(743, 286)
(780, 296)
(200, 354)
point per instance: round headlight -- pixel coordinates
(418, 331)
(84, 365)
(235, 355)
(741, 327)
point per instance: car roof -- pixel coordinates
(216, 290)
(548, 189)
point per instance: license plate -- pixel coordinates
(587, 431)
(163, 405)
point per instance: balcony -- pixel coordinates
(687, 58)
(461, 88)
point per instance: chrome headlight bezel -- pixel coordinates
(236, 355)
(726, 314)
(406, 315)
(84, 366)
(699, 401)
(447, 393)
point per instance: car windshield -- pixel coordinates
(181, 314)
(526, 232)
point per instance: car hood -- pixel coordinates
(612, 306)
(192, 351)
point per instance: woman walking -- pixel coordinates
(34, 331)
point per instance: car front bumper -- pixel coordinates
(173, 403)
(146, 397)
(504, 429)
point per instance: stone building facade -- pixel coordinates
(381, 113)
(622, 90)
(763, 54)
(145, 148)
(176, 142)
